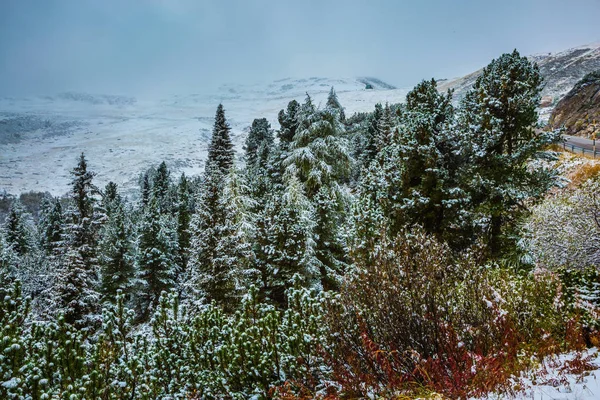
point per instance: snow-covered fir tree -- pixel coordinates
(333, 105)
(51, 226)
(156, 257)
(184, 217)
(498, 116)
(116, 258)
(77, 277)
(430, 189)
(18, 229)
(211, 273)
(220, 150)
(258, 144)
(320, 158)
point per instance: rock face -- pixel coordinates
(579, 110)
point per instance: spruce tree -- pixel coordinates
(160, 187)
(284, 242)
(288, 120)
(210, 224)
(220, 150)
(146, 190)
(220, 259)
(18, 229)
(84, 217)
(184, 216)
(116, 259)
(373, 133)
(110, 197)
(320, 158)
(333, 105)
(75, 292)
(51, 226)
(156, 257)
(430, 192)
(258, 144)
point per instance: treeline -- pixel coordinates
(342, 256)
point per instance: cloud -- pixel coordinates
(157, 46)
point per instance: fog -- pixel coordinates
(153, 47)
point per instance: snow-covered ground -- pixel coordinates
(41, 137)
(559, 379)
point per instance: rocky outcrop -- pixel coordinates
(579, 111)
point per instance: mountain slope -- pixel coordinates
(41, 137)
(561, 71)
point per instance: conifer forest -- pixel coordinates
(412, 251)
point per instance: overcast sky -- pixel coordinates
(167, 46)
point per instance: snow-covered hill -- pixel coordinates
(41, 137)
(561, 71)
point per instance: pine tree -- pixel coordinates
(284, 242)
(146, 190)
(156, 257)
(333, 105)
(220, 259)
(116, 254)
(76, 293)
(288, 120)
(18, 229)
(84, 218)
(373, 133)
(430, 192)
(320, 158)
(51, 226)
(212, 225)
(498, 117)
(220, 151)
(258, 144)
(110, 197)
(160, 187)
(184, 216)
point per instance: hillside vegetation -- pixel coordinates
(411, 251)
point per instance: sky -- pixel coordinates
(150, 47)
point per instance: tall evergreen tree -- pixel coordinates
(220, 150)
(373, 133)
(51, 226)
(146, 189)
(498, 117)
(210, 224)
(116, 259)
(430, 192)
(160, 187)
(258, 144)
(184, 216)
(284, 242)
(18, 229)
(110, 197)
(84, 218)
(76, 292)
(288, 120)
(156, 257)
(320, 158)
(333, 105)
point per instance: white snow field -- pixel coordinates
(41, 137)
